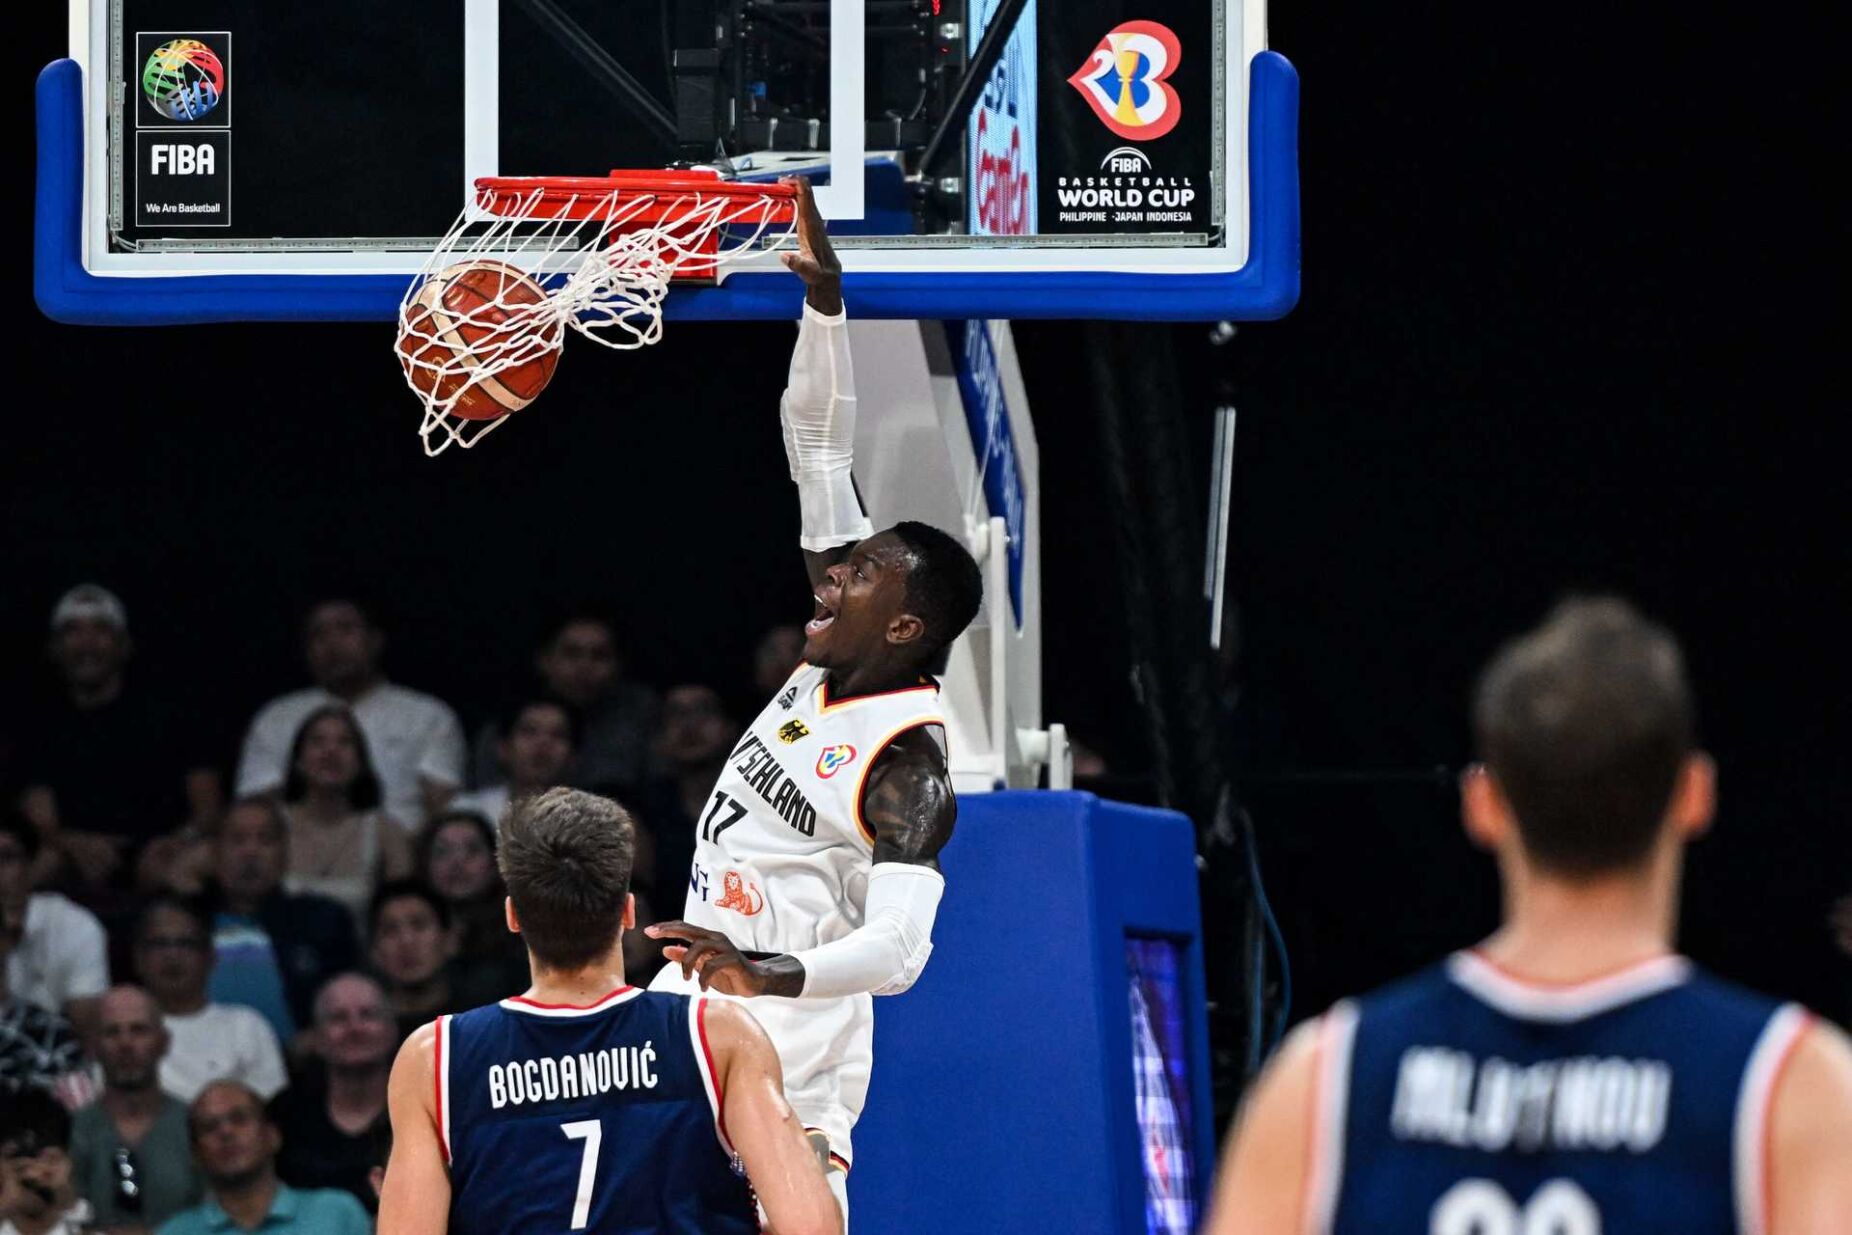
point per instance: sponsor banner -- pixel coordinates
(181, 86)
(980, 385)
(1000, 136)
(1128, 118)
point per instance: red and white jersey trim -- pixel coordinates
(1324, 1176)
(1560, 1004)
(1773, 1050)
(521, 1003)
(704, 1059)
(441, 1069)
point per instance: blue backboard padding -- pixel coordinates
(1266, 287)
(1002, 1096)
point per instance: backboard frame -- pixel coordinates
(1253, 274)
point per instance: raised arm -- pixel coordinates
(908, 802)
(415, 1198)
(784, 1170)
(818, 407)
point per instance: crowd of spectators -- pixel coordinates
(202, 990)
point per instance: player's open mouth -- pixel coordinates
(821, 622)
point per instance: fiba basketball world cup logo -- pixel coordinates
(1123, 80)
(183, 79)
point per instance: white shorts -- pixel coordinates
(825, 1046)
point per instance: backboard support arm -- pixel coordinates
(977, 72)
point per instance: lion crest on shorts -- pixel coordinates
(738, 895)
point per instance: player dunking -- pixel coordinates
(587, 1104)
(1571, 1075)
(816, 879)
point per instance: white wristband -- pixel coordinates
(831, 513)
(886, 954)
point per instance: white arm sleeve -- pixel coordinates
(886, 954)
(818, 413)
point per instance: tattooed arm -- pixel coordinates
(908, 799)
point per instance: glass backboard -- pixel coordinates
(214, 160)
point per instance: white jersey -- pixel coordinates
(782, 852)
(782, 856)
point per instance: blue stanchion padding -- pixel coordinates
(1002, 1100)
(1266, 287)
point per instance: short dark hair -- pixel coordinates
(364, 793)
(511, 715)
(579, 615)
(427, 839)
(944, 587)
(1585, 723)
(565, 857)
(32, 1121)
(241, 1089)
(405, 889)
(20, 828)
(170, 903)
(362, 605)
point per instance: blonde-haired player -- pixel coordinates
(816, 876)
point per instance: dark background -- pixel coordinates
(1564, 326)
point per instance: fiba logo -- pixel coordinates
(1124, 82)
(832, 760)
(1122, 160)
(183, 79)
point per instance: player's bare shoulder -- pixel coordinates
(908, 800)
(1263, 1173)
(419, 1049)
(735, 1035)
(415, 1065)
(1810, 1132)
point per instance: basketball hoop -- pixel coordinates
(481, 326)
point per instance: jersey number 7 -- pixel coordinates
(592, 1133)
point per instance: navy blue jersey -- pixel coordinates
(604, 1119)
(1465, 1101)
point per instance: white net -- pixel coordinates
(482, 324)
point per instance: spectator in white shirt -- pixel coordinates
(209, 1041)
(415, 739)
(59, 958)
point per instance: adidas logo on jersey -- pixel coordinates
(787, 699)
(792, 730)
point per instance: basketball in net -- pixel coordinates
(478, 340)
(532, 258)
